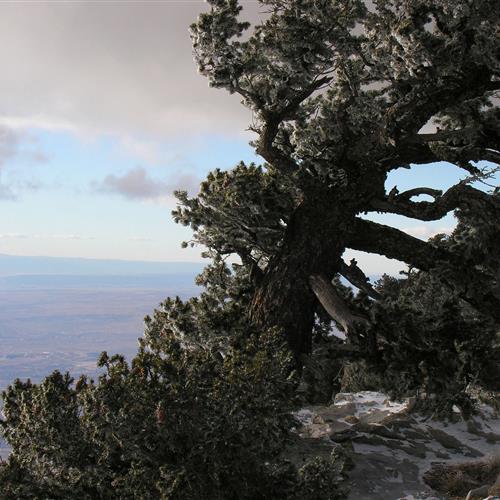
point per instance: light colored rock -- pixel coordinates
(336, 412)
(342, 397)
(317, 431)
(351, 419)
(304, 416)
(375, 417)
(477, 493)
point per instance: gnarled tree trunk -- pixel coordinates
(313, 245)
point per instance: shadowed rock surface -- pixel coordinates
(391, 447)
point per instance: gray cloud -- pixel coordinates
(32, 185)
(184, 182)
(137, 184)
(15, 143)
(114, 67)
(9, 144)
(8, 148)
(6, 192)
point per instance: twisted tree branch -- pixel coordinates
(272, 121)
(371, 237)
(459, 196)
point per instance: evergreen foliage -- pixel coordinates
(180, 422)
(429, 341)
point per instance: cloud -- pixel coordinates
(6, 192)
(66, 237)
(185, 182)
(13, 236)
(15, 143)
(8, 148)
(147, 151)
(140, 238)
(32, 185)
(136, 184)
(9, 144)
(21, 236)
(109, 67)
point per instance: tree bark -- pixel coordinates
(372, 237)
(317, 234)
(313, 244)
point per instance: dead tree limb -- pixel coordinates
(334, 304)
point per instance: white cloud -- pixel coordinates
(140, 238)
(21, 236)
(144, 150)
(13, 236)
(30, 121)
(66, 237)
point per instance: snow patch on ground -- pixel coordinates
(391, 447)
(371, 402)
(304, 416)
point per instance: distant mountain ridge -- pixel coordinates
(11, 265)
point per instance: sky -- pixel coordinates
(103, 115)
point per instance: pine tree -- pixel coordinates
(341, 93)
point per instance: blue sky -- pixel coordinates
(103, 115)
(94, 198)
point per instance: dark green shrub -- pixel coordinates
(430, 343)
(178, 423)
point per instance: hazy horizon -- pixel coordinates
(12, 265)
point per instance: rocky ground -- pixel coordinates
(392, 448)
